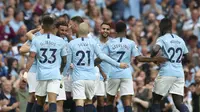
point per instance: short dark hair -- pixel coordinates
(130, 17)
(193, 37)
(47, 21)
(77, 19)
(104, 23)
(165, 25)
(120, 27)
(61, 23)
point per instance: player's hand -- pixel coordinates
(104, 76)
(159, 60)
(123, 65)
(71, 66)
(24, 76)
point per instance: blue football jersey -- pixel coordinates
(49, 49)
(173, 47)
(82, 53)
(34, 65)
(104, 65)
(122, 49)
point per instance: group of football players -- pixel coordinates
(77, 66)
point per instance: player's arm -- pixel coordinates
(141, 58)
(155, 50)
(25, 48)
(30, 34)
(97, 61)
(102, 73)
(109, 60)
(30, 61)
(63, 63)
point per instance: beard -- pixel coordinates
(104, 35)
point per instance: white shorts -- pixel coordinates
(83, 89)
(47, 86)
(68, 83)
(61, 94)
(101, 90)
(168, 84)
(125, 86)
(32, 82)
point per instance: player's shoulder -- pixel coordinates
(129, 41)
(179, 38)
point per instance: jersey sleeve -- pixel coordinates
(64, 49)
(104, 57)
(185, 49)
(135, 51)
(159, 42)
(33, 46)
(69, 60)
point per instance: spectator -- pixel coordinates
(152, 7)
(193, 24)
(27, 10)
(76, 11)
(5, 50)
(196, 94)
(141, 97)
(117, 8)
(59, 10)
(132, 8)
(3, 69)
(22, 95)
(17, 22)
(165, 4)
(181, 4)
(6, 36)
(192, 5)
(12, 106)
(12, 69)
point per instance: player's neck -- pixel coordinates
(121, 35)
(103, 40)
(47, 31)
(82, 35)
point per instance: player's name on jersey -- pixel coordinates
(120, 46)
(83, 44)
(48, 43)
(175, 41)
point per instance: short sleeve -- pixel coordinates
(28, 42)
(185, 49)
(159, 42)
(33, 46)
(135, 51)
(64, 49)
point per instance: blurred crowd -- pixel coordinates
(17, 17)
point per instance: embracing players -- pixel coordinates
(48, 50)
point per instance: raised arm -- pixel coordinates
(31, 33)
(25, 48)
(30, 61)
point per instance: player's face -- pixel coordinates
(62, 30)
(105, 30)
(73, 25)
